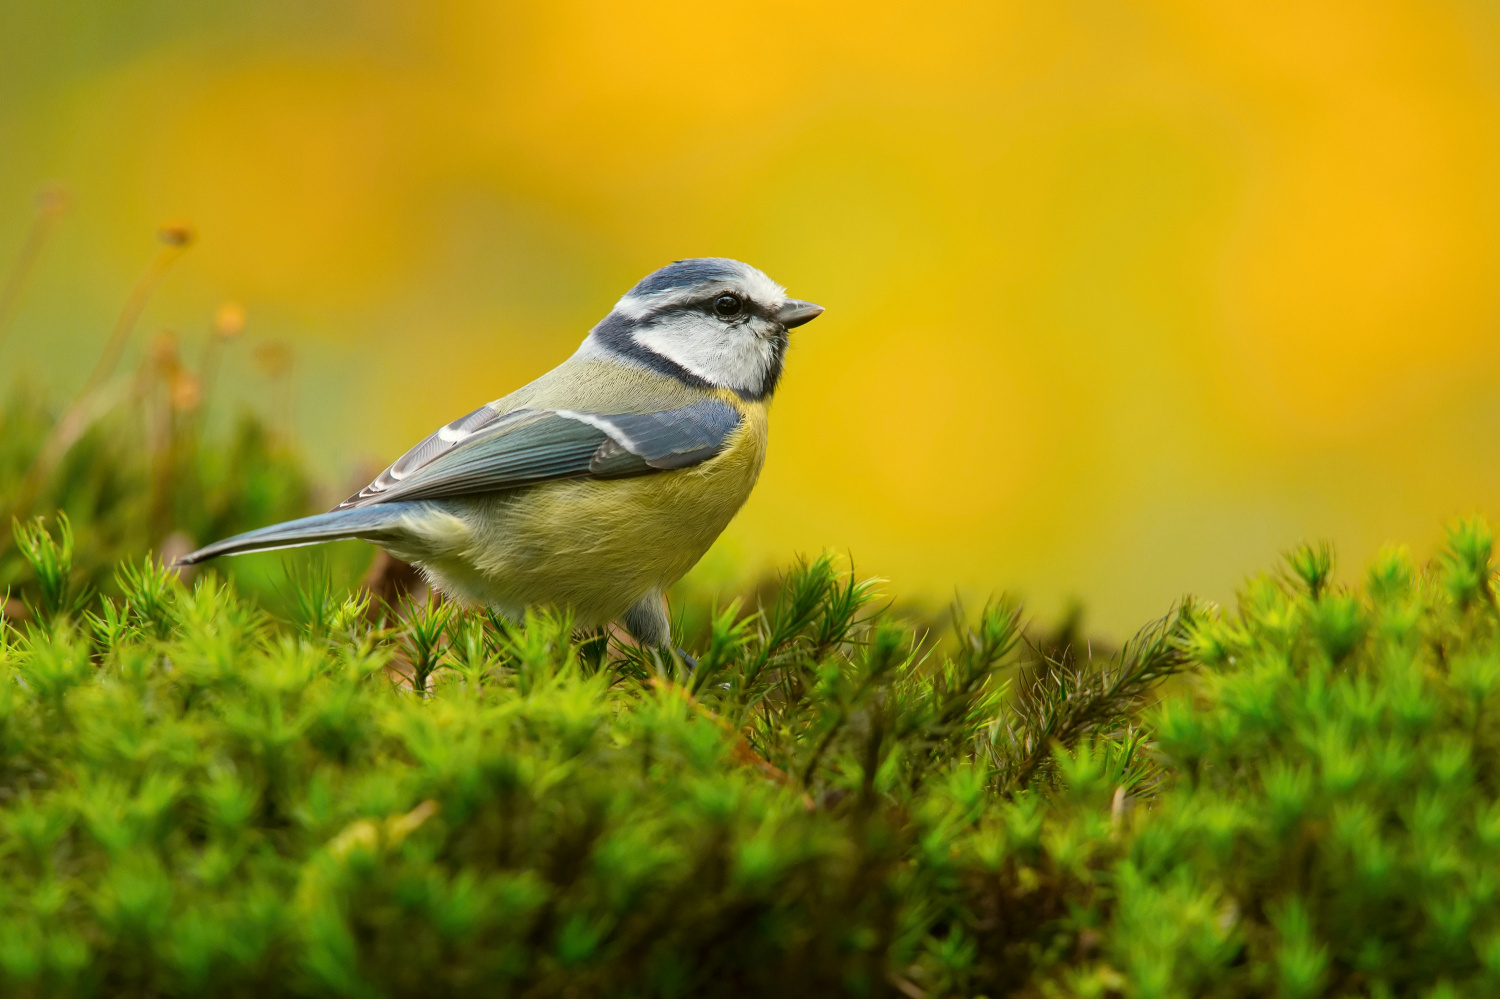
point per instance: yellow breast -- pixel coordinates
(598, 546)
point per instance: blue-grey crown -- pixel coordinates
(681, 274)
(686, 286)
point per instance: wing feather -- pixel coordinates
(441, 441)
(489, 451)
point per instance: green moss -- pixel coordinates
(1297, 797)
(133, 487)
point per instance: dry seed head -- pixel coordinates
(229, 320)
(185, 391)
(176, 234)
(183, 388)
(52, 200)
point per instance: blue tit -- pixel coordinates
(600, 484)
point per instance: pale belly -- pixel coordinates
(593, 547)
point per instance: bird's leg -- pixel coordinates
(647, 622)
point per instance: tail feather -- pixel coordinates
(362, 522)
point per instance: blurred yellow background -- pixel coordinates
(1123, 298)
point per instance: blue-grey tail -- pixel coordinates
(370, 523)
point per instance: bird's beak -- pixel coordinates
(794, 312)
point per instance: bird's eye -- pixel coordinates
(728, 305)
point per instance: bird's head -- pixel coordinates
(708, 321)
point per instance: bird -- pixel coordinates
(600, 484)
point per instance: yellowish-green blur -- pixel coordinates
(1123, 298)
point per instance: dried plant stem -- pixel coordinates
(174, 244)
(51, 203)
(81, 412)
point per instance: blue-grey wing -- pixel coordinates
(438, 443)
(488, 451)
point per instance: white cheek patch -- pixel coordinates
(727, 354)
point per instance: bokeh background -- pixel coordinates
(1124, 298)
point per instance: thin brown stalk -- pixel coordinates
(51, 203)
(80, 413)
(229, 323)
(174, 242)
